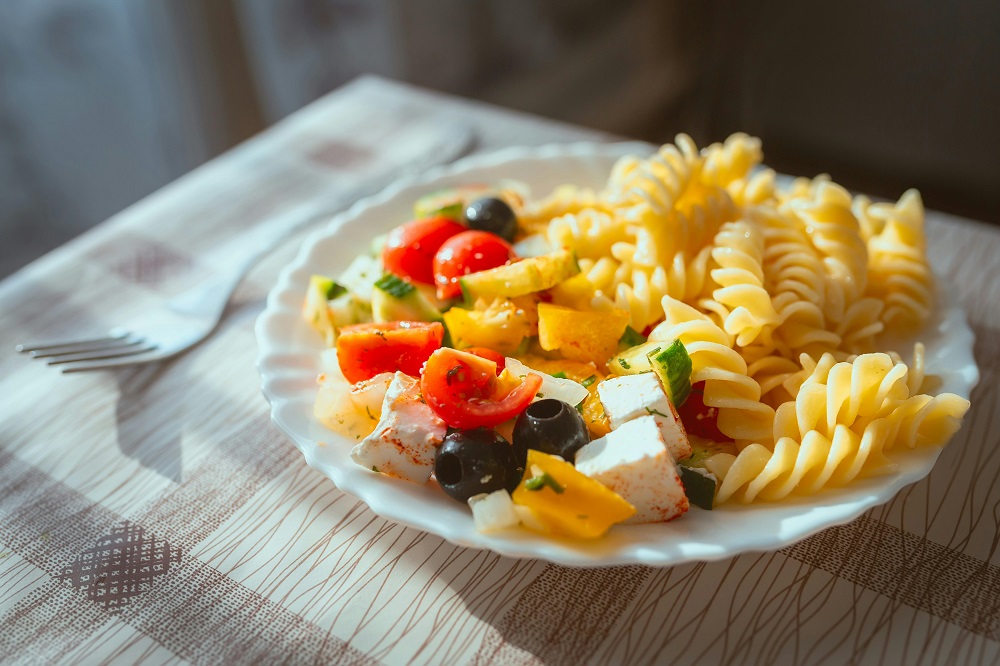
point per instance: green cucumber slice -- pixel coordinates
(395, 299)
(673, 368)
(699, 486)
(394, 286)
(520, 278)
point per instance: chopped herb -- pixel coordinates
(539, 395)
(656, 412)
(369, 413)
(375, 469)
(625, 364)
(588, 381)
(340, 421)
(579, 406)
(453, 373)
(536, 483)
(582, 516)
(380, 333)
(631, 337)
(560, 375)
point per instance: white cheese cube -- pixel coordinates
(632, 396)
(633, 461)
(407, 436)
(493, 511)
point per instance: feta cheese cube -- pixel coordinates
(407, 436)
(634, 461)
(633, 396)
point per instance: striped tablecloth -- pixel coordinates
(156, 516)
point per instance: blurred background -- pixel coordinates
(104, 101)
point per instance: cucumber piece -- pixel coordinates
(395, 299)
(699, 486)
(520, 278)
(672, 366)
(348, 309)
(634, 360)
(394, 286)
(448, 203)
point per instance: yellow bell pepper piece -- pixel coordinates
(576, 292)
(502, 326)
(598, 423)
(581, 336)
(566, 502)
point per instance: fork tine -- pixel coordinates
(128, 361)
(70, 343)
(87, 356)
(117, 343)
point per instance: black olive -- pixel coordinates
(470, 462)
(550, 426)
(492, 215)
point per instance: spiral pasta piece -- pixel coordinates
(653, 186)
(589, 233)
(825, 212)
(738, 253)
(731, 166)
(897, 262)
(795, 277)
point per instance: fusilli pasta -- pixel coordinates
(779, 295)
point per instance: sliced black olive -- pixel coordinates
(492, 215)
(550, 426)
(470, 462)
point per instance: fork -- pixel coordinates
(191, 317)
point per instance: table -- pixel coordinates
(156, 516)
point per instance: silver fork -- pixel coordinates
(186, 320)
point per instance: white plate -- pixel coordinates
(288, 364)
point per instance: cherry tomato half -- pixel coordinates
(463, 390)
(410, 248)
(495, 356)
(365, 350)
(468, 252)
(700, 419)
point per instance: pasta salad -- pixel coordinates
(692, 333)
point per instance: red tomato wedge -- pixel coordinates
(463, 390)
(700, 419)
(365, 350)
(410, 248)
(468, 252)
(495, 356)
